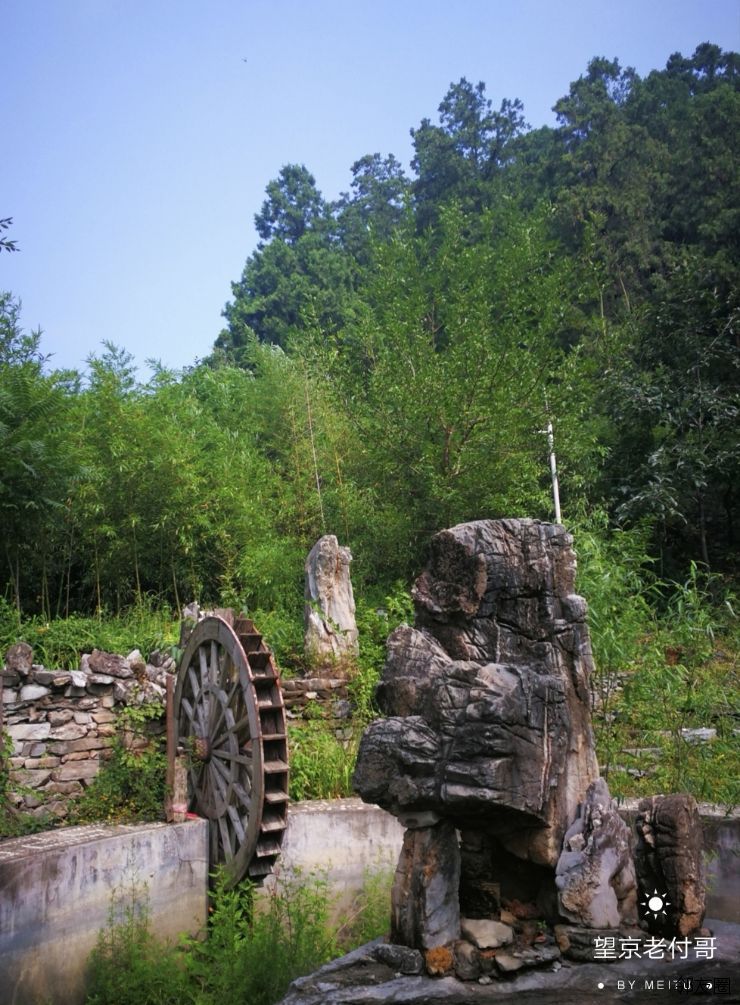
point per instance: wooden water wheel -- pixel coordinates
(231, 726)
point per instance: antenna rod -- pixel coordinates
(553, 471)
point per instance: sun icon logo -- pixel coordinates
(656, 904)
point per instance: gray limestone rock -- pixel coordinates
(425, 912)
(467, 961)
(397, 768)
(580, 943)
(19, 658)
(109, 664)
(510, 961)
(486, 934)
(359, 979)
(595, 874)
(401, 959)
(493, 680)
(669, 868)
(329, 613)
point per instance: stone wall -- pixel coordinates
(325, 697)
(62, 723)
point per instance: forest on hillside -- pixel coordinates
(390, 361)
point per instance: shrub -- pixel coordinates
(370, 912)
(61, 641)
(131, 785)
(321, 765)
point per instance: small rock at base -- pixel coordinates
(486, 934)
(438, 960)
(467, 961)
(400, 958)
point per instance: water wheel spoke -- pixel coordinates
(219, 711)
(188, 709)
(227, 740)
(214, 667)
(194, 683)
(203, 667)
(215, 851)
(228, 755)
(220, 768)
(220, 784)
(237, 824)
(242, 723)
(243, 792)
(227, 838)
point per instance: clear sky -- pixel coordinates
(139, 135)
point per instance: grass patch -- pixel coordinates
(59, 643)
(251, 952)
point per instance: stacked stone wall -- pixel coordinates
(62, 723)
(308, 698)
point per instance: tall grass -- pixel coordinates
(253, 949)
(666, 658)
(60, 642)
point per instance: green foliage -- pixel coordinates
(368, 916)
(666, 663)
(253, 949)
(130, 785)
(128, 966)
(321, 765)
(375, 622)
(60, 643)
(388, 366)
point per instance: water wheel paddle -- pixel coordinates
(230, 720)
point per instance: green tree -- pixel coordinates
(456, 159)
(36, 465)
(445, 378)
(292, 207)
(374, 208)
(677, 398)
(297, 272)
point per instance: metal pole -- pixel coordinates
(553, 472)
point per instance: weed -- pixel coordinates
(61, 641)
(130, 785)
(368, 917)
(666, 664)
(250, 954)
(321, 765)
(128, 966)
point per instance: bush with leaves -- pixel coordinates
(131, 785)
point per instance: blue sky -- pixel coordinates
(138, 143)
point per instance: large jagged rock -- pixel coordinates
(595, 874)
(669, 867)
(486, 697)
(330, 626)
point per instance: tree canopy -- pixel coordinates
(390, 361)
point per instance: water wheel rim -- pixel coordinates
(216, 704)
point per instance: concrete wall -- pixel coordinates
(55, 896)
(346, 837)
(343, 837)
